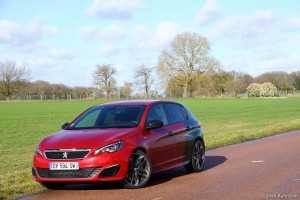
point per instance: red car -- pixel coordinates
(127, 141)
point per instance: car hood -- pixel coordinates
(85, 139)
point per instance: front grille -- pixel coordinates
(81, 173)
(110, 171)
(66, 154)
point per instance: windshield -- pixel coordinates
(109, 117)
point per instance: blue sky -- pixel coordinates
(61, 41)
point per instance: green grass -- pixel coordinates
(230, 121)
(224, 122)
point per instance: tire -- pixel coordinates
(197, 158)
(139, 170)
(53, 186)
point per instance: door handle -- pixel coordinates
(170, 133)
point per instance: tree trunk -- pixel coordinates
(185, 89)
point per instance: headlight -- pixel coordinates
(110, 148)
(37, 150)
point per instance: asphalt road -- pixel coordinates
(267, 168)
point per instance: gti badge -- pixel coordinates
(65, 155)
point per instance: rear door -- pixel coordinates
(178, 117)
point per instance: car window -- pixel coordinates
(175, 112)
(89, 120)
(109, 117)
(157, 112)
(185, 114)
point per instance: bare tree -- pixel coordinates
(43, 89)
(82, 92)
(238, 83)
(12, 78)
(103, 78)
(280, 79)
(296, 83)
(126, 90)
(189, 53)
(143, 76)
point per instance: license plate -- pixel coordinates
(64, 166)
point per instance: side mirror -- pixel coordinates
(64, 125)
(154, 124)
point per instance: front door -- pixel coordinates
(162, 143)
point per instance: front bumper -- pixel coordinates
(103, 167)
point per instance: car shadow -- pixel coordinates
(156, 179)
(213, 161)
(161, 177)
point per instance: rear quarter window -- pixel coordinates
(176, 112)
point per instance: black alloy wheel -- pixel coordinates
(196, 163)
(139, 170)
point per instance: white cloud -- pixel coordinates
(230, 63)
(208, 13)
(95, 33)
(60, 54)
(119, 66)
(256, 43)
(286, 62)
(54, 71)
(292, 24)
(256, 64)
(261, 18)
(109, 50)
(140, 33)
(165, 33)
(225, 27)
(27, 36)
(245, 31)
(114, 9)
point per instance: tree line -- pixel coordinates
(184, 69)
(234, 84)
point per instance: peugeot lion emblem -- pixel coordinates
(65, 155)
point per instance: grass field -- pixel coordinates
(224, 122)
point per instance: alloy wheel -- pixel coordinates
(139, 170)
(198, 156)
